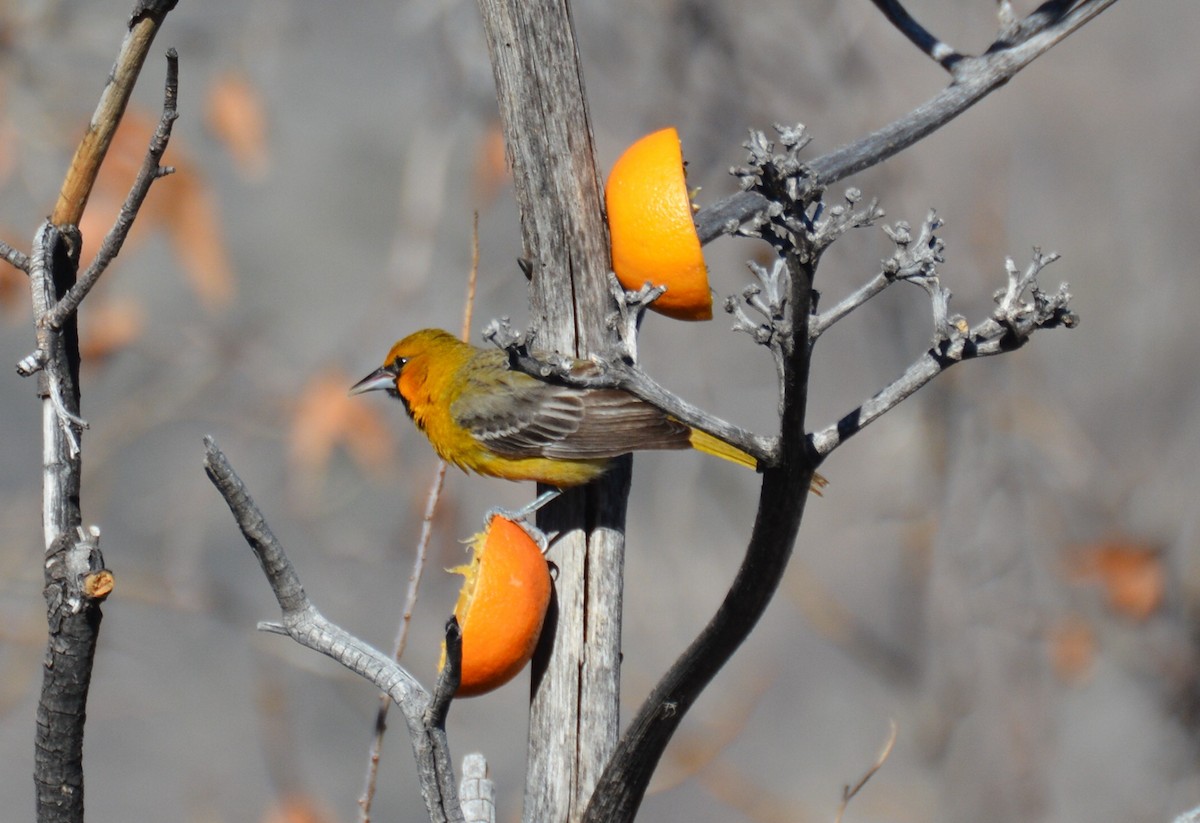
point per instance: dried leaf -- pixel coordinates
(181, 203)
(491, 164)
(298, 808)
(108, 326)
(1131, 573)
(1072, 646)
(14, 290)
(235, 114)
(195, 229)
(327, 416)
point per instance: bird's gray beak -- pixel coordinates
(381, 379)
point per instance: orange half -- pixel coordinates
(650, 223)
(501, 606)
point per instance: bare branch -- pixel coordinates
(974, 78)
(307, 626)
(72, 554)
(17, 259)
(781, 506)
(144, 22)
(914, 260)
(1022, 308)
(147, 174)
(449, 678)
(773, 309)
(631, 308)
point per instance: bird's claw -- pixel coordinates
(521, 518)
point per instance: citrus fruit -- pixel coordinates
(650, 224)
(501, 605)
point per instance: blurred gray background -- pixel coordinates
(1006, 566)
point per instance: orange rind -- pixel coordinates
(501, 606)
(650, 225)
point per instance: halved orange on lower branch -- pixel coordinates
(501, 605)
(650, 223)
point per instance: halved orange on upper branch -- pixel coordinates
(650, 224)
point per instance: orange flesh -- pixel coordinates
(501, 606)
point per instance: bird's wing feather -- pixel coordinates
(517, 415)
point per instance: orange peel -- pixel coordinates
(650, 225)
(501, 606)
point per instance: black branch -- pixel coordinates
(973, 79)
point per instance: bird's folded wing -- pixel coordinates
(520, 416)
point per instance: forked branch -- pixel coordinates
(425, 714)
(973, 79)
(1022, 307)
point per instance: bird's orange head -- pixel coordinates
(412, 363)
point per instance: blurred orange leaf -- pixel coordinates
(298, 808)
(108, 326)
(1072, 649)
(327, 416)
(235, 114)
(182, 204)
(491, 164)
(14, 289)
(195, 230)
(1131, 573)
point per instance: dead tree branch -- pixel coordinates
(424, 714)
(147, 174)
(781, 506)
(1021, 309)
(548, 134)
(72, 559)
(144, 22)
(76, 582)
(973, 79)
(17, 259)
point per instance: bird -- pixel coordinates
(484, 416)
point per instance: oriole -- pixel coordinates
(484, 417)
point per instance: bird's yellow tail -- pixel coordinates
(705, 442)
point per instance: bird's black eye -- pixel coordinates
(397, 365)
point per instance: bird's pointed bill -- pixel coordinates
(379, 380)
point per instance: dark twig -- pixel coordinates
(920, 37)
(449, 678)
(781, 506)
(303, 623)
(72, 564)
(974, 78)
(149, 172)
